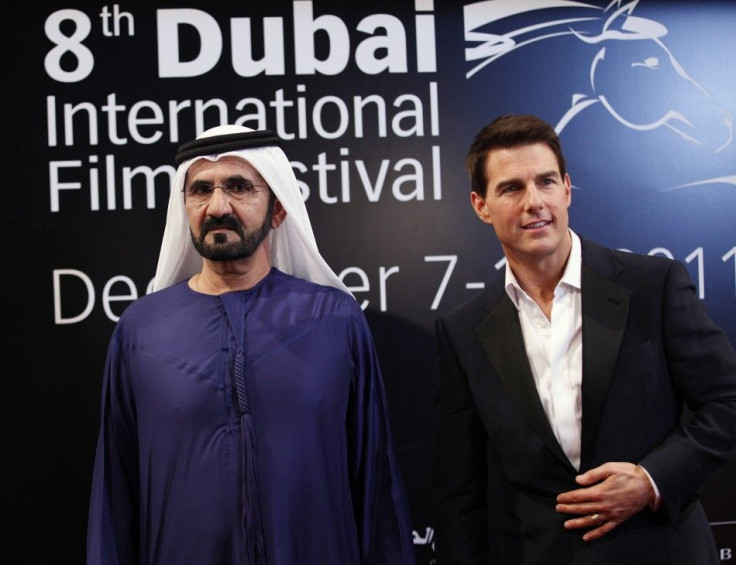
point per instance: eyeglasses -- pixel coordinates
(199, 193)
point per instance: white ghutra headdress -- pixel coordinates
(293, 248)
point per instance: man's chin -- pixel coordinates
(228, 251)
(219, 238)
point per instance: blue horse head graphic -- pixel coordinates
(630, 64)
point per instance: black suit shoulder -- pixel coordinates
(473, 310)
(609, 262)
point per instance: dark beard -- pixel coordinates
(246, 245)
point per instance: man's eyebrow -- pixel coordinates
(197, 183)
(230, 179)
(517, 180)
(550, 173)
(238, 178)
(506, 182)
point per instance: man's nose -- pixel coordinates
(533, 198)
(219, 200)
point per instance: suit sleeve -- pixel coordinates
(702, 367)
(459, 490)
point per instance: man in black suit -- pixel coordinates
(585, 395)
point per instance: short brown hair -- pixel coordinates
(504, 132)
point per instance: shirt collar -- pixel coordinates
(570, 277)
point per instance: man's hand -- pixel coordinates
(614, 492)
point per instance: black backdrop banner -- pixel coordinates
(377, 104)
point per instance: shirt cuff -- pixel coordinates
(657, 497)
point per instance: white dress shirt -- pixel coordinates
(555, 350)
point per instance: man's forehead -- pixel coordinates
(228, 165)
(509, 159)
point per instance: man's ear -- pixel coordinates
(279, 214)
(480, 208)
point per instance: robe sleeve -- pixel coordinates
(113, 523)
(379, 497)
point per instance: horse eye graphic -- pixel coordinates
(649, 62)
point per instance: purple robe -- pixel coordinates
(172, 464)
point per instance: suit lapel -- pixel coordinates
(503, 342)
(605, 311)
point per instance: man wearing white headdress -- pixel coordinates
(244, 418)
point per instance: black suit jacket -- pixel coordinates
(658, 389)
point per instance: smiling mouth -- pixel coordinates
(535, 225)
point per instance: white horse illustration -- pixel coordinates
(631, 68)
